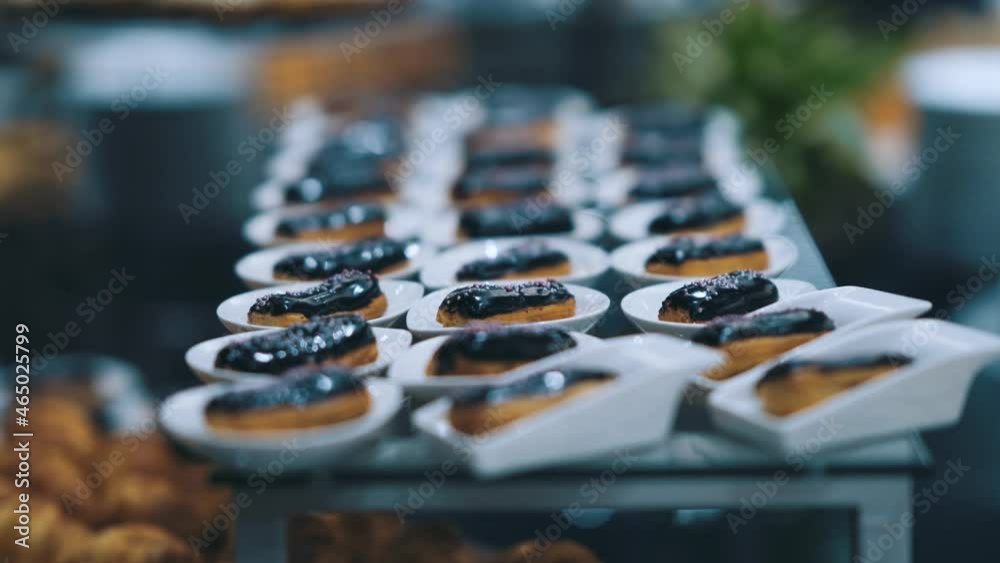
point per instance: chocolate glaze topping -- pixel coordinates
(517, 219)
(830, 367)
(734, 293)
(349, 290)
(781, 323)
(348, 181)
(656, 148)
(551, 382)
(667, 118)
(299, 345)
(672, 181)
(502, 344)
(680, 250)
(492, 157)
(296, 391)
(484, 300)
(526, 180)
(519, 258)
(374, 254)
(354, 214)
(693, 212)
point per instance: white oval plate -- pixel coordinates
(200, 358)
(442, 229)
(183, 418)
(642, 306)
(590, 307)
(410, 370)
(587, 262)
(399, 295)
(259, 230)
(256, 269)
(630, 260)
(763, 217)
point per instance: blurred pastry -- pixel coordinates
(379, 255)
(53, 537)
(352, 222)
(348, 184)
(514, 220)
(672, 180)
(349, 291)
(734, 293)
(708, 214)
(510, 156)
(560, 551)
(500, 184)
(531, 259)
(486, 410)
(340, 340)
(526, 302)
(792, 386)
(749, 341)
(697, 257)
(135, 543)
(495, 350)
(341, 537)
(300, 401)
(424, 542)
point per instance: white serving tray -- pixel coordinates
(635, 410)
(399, 296)
(642, 306)
(587, 262)
(928, 393)
(630, 260)
(200, 358)
(410, 370)
(182, 416)
(591, 305)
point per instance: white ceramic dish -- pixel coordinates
(630, 260)
(642, 306)
(849, 307)
(928, 393)
(410, 370)
(256, 269)
(591, 305)
(182, 416)
(763, 217)
(200, 358)
(587, 262)
(634, 410)
(259, 230)
(399, 295)
(442, 229)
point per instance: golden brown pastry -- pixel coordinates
(710, 214)
(562, 551)
(494, 350)
(699, 257)
(135, 543)
(796, 385)
(349, 291)
(357, 221)
(423, 542)
(53, 535)
(514, 303)
(341, 537)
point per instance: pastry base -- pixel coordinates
(371, 229)
(675, 316)
(757, 261)
(331, 411)
(373, 310)
(731, 226)
(483, 419)
(469, 366)
(808, 387)
(552, 312)
(742, 355)
(386, 270)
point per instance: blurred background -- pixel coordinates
(113, 113)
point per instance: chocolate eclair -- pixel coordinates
(753, 340)
(487, 410)
(532, 259)
(298, 401)
(514, 220)
(515, 131)
(651, 148)
(349, 291)
(710, 214)
(500, 184)
(734, 293)
(350, 183)
(378, 255)
(495, 350)
(694, 257)
(792, 386)
(341, 340)
(511, 156)
(351, 222)
(672, 180)
(528, 302)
